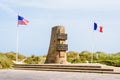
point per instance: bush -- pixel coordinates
(5, 62)
(98, 57)
(12, 56)
(35, 59)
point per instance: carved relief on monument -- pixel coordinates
(62, 36)
(62, 47)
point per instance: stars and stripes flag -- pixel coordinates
(22, 20)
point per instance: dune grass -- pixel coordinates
(6, 59)
(5, 62)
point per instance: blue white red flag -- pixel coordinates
(22, 21)
(96, 27)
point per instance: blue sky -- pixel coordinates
(78, 17)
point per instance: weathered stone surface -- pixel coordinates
(58, 46)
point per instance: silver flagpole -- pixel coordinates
(17, 44)
(93, 45)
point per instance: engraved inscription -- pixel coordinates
(62, 36)
(62, 47)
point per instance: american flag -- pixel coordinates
(22, 21)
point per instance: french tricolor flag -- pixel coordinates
(22, 21)
(96, 27)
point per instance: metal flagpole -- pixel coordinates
(93, 45)
(17, 44)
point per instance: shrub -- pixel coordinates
(35, 59)
(5, 62)
(12, 56)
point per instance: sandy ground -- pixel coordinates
(49, 75)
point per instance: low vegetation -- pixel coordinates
(35, 59)
(12, 56)
(5, 62)
(98, 57)
(7, 59)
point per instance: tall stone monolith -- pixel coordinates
(58, 47)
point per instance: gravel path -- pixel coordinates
(49, 75)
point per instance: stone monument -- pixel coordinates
(58, 47)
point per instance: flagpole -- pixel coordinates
(17, 43)
(93, 42)
(93, 46)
